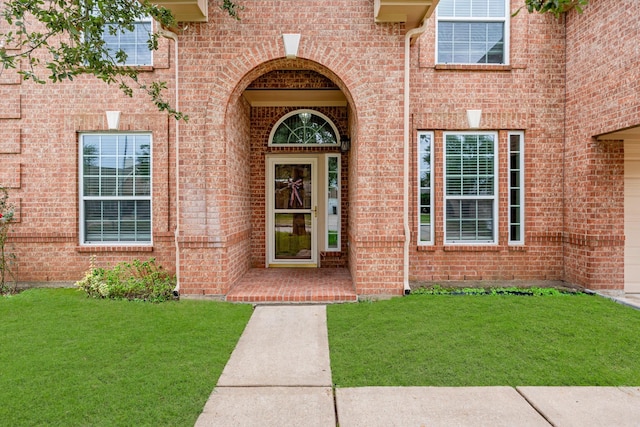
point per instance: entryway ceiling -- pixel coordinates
(295, 97)
(623, 134)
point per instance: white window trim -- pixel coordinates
(430, 242)
(295, 113)
(326, 204)
(507, 34)
(82, 198)
(522, 188)
(495, 197)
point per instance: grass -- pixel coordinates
(444, 340)
(73, 361)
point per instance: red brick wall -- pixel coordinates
(573, 186)
(223, 57)
(527, 95)
(603, 95)
(39, 134)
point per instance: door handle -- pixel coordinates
(315, 211)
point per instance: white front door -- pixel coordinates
(292, 210)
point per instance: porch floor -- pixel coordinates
(294, 285)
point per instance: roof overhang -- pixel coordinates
(628, 133)
(295, 97)
(412, 12)
(186, 10)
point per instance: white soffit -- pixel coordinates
(186, 10)
(413, 12)
(629, 133)
(295, 98)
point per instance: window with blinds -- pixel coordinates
(115, 188)
(130, 47)
(472, 32)
(470, 172)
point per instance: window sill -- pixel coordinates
(331, 254)
(142, 68)
(472, 67)
(96, 249)
(426, 248)
(471, 248)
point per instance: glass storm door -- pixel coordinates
(292, 212)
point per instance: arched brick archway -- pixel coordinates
(232, 232)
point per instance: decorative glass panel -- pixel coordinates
(292, 186)
(304, 128)
(425, 143)
(333, 203)
(516, 213)
(293, 236)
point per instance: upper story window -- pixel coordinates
(304, 128)
(133, 44)
(115, 188)
(472, 32)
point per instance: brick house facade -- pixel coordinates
(560, 111)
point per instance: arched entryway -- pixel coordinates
(299, 120)
(297, 124)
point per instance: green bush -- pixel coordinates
(532, 291)
(136, 281)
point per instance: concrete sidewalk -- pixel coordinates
(279, 375)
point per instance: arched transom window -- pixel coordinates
(304, 128)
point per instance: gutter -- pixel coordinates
(173, 36)
(407, 137)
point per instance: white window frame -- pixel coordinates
(419, 187)
(304, 111)
(327, 206)
(521, 188)
(129, 63)
(494, 197)
(82, 198)
(506, 20)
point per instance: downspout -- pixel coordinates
(173, 36)
(407, 134)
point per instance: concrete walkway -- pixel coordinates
(279, 375)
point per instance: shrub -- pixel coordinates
(532, 291)
(136, 281)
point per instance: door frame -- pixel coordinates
(270, 161)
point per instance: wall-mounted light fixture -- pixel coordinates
(345, 144)
(291, 43)
(473, 118)
(113, 120)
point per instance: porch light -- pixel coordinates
(345, 144)
(113, 120)
(291, 43)
(473, 118)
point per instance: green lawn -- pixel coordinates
(448, 340)
(69, 360)
(73, 361)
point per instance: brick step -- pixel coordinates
(294, 285)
